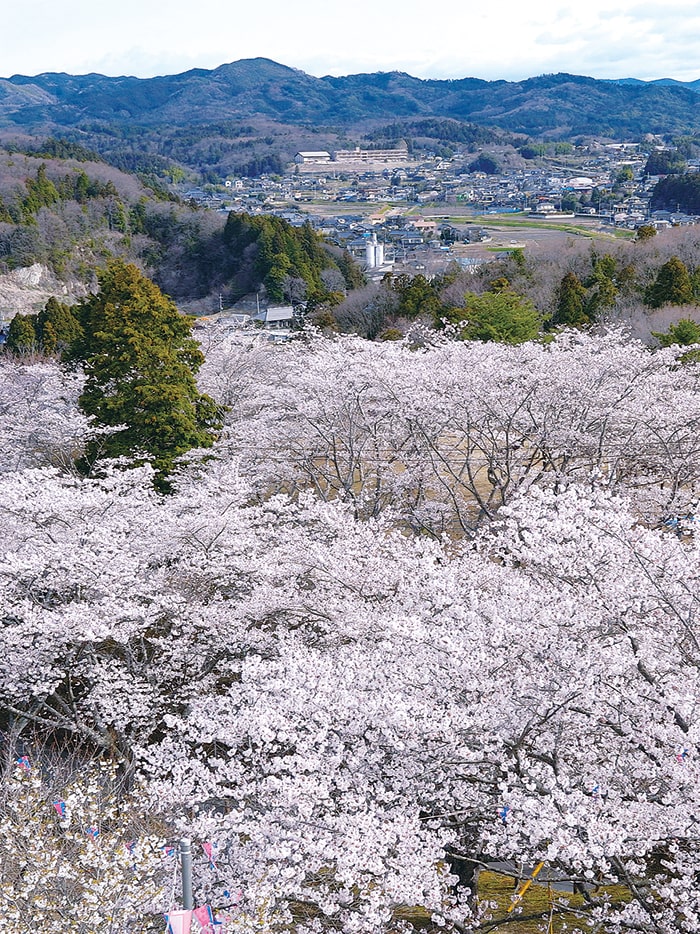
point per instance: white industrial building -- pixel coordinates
(374, 253)
(312, 158)
(376, 263)
(372, 155)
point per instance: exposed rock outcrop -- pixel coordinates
(25, 291)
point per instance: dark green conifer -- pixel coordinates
(502, 316)
(21, 334)
(57, 328)
(140, 362)
(672, 286)
(571, 303)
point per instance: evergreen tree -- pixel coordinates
(417, 296)
(5, 216)
(353, 275)
(603, 296)
(672, 286)
(57, 328)
(645, 232)
(664, 162)
(602, 282)
(49, 339)
(485, 163)
(276, 275)
(502, 316)
(140, 362)
(571, 303)
(41, 192)
(21, 334)
(684, 332)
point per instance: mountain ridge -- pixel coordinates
(552, 104)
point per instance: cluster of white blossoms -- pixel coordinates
(75, 855)
(355, 715)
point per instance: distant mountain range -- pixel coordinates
(558, 106)
(666, 82)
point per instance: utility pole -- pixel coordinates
(186, 863)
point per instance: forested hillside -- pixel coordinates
(643, 284)
(261, 87)
(678, 191)
(65, 209)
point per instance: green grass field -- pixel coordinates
(523, 222)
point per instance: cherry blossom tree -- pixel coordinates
(335, 705)
(358, 719)
(75, 855)
(444, 436)
(40, 424)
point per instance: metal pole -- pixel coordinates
(186, 862)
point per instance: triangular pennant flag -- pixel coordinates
(179, 922)
(205, 918)
(209, 852)
(503, 813)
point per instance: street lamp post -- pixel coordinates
(186, 863)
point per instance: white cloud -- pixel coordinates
(452, 39)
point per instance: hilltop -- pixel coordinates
(561, 103)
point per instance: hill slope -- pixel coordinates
(557, 104)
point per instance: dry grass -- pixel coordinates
(541, 910)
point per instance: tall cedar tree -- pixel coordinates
(21, 335)
(571, 303)
(52, 331)
(57, 327)
(672, 286)
(140, 362)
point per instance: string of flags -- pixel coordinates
(205, 917)
(59, 805)
(61, 810)
(179, 921)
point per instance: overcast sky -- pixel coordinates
(511, 39)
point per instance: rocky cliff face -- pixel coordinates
(25, 291)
